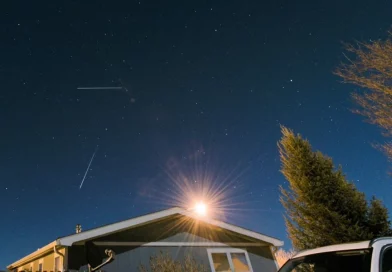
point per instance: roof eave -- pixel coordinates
(112, 228)
(116, 227)
(36, 254)
(258, 236)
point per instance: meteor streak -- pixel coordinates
(88, 167)
(100, 88)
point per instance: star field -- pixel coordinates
(206, 86)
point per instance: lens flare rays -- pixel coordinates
(201, 186)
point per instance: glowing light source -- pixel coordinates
(201, 186)
(201, 209)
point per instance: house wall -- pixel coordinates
(262, 259)
(47, 261)
(128, 259)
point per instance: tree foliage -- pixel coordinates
(282, 256)
(322, 207)
(163, 262)
(371, 69)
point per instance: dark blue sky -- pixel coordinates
(209, 83)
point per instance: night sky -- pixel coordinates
(206, 85)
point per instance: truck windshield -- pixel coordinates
(337, 261)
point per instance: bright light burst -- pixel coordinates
(199, 185)
(201, 209)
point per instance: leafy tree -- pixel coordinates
(378, 218)
(282, 256)
(322, 207)
(163, 262)
(371, 68)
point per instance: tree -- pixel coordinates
(322, 207)
(282, 256)
(378, 218)
(371, 69)
(163, 262)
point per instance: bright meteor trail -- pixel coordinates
(100, 88)
(88, 167)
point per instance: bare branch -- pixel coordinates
(370, 68)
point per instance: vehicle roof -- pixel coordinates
(339, 247)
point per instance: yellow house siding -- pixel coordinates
(35, 265)
(47, 260)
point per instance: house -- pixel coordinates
(127, 244)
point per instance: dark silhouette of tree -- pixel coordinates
(322, 207)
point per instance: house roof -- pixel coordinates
(141, 220)
(116, 227)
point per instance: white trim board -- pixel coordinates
(117, 227)
(180, 244)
